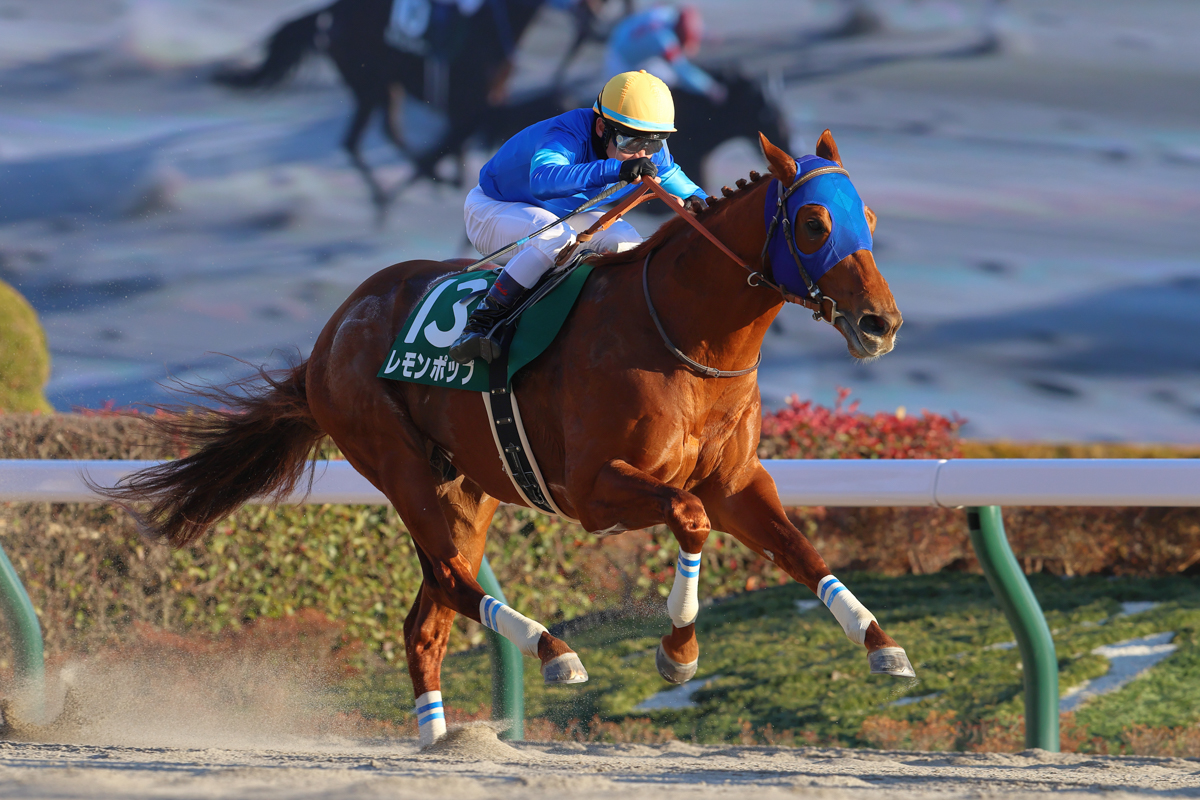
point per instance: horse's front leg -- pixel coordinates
(626, 498)
(755, 517)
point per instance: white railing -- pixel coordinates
(952, 483)
(982, 485)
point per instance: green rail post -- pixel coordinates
(1038, 659)
(508, 667)
(29, 664)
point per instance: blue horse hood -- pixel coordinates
(847, 214)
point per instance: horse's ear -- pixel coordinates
(782, 165)
(827, 148)
(870, 215)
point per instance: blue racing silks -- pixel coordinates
(846, 212)
(550, 164)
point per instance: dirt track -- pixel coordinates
(472, 763)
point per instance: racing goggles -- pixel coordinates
(635, 144)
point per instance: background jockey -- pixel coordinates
(551, 168)
(660, 41)
(422, 26)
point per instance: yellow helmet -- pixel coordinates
(638, 101)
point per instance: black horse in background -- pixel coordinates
(466, 76)
(703, 125)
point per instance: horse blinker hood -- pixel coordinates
(850, 231)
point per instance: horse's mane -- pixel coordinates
(716, 205)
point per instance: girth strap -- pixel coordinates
(508, 431)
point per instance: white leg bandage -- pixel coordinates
(431, 718)
(683, 604)
(516, 627)
(853, 615)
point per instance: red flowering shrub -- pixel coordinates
(806, 430)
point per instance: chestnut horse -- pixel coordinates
(625, 434)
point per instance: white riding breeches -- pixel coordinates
(492, 224)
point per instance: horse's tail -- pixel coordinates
(257, 445)
(285, 50)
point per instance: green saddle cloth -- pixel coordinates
(420, 353)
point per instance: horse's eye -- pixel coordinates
(814, 227)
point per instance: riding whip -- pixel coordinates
(607, 193)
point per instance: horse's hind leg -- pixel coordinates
(468, 513)
(448, 522)
(626, 498)
(426, 633)
(755, 517)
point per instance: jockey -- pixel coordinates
(660, 41)
(551, 168)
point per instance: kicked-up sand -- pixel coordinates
(471, 762)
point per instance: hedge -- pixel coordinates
(24, 358)
(91, 576)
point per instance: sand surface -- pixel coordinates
(473, 763)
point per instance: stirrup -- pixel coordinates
(472, 345)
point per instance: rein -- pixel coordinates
(817, 299)
(816, 302)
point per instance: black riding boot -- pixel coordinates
(474, 341)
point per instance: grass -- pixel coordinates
(797, 672)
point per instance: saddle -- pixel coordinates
(420, 354)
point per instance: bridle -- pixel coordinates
(815, 302)
(816, 298)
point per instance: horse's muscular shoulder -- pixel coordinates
(730, 440)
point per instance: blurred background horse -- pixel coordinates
(460, 64)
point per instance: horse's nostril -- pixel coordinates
(873, 325)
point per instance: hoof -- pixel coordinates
(890, 661)
(672, 670)
(565, 669)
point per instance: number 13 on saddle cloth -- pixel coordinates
(420, 353)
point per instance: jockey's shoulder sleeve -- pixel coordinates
(672, 177)
(556, 171)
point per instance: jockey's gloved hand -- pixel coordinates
(695, 204)
(635, 168)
